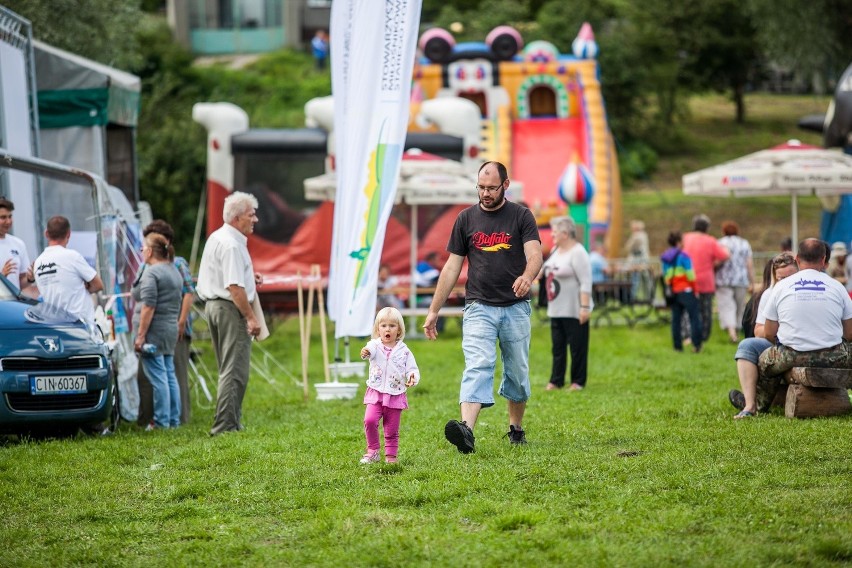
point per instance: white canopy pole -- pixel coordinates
(412, 294)
(795, 236)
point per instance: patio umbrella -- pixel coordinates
(792, 169)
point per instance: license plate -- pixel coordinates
(67, 384)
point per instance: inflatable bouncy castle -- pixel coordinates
(541, 113)
(531, 107)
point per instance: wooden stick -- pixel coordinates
(309, 316)
(321, 301)
(302, 335)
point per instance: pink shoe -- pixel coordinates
(371, 457)
(575, 387)
(390, 459)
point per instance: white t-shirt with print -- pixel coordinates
(809, 307)
(61, 275)
(14, 248)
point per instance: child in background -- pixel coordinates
(392, 370)
(385, 284)
(678, 273)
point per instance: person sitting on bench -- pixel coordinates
(808, 321)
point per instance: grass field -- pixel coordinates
(643, 468)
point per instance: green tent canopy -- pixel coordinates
(75, 91)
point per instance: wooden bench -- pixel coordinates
(813, 392)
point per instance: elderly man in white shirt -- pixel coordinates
(228, 285)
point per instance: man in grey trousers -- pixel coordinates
(228, 284)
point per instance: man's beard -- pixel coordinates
(497, 201)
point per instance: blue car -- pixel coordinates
(55, 374)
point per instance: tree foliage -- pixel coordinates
(487, 15)
(172, 147)
(97, 29)
(813, 39)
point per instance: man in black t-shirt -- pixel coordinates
(501, 243)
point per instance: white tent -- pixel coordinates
(87, 119)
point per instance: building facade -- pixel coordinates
(226, 27)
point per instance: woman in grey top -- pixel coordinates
(157, 293)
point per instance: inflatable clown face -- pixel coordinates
(473, 80)
(470, 76)
(471, 70)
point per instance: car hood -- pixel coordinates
(43, 331)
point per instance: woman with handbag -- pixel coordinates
(568, 279)
(680, 277)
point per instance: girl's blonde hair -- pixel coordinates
(392, 315)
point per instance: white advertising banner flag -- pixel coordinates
(373, 46)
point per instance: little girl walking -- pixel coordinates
(392, 369)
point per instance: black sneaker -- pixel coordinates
(460, 435)
(737, 399)
(516, 435)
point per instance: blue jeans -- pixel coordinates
(686, 302)
(484, 327)
(750, 349)
(160, 370)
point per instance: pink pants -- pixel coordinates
(390, 420)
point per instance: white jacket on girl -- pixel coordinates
(388, 373)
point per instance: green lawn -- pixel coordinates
(643, 468)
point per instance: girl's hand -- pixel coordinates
(365, 353)
(410, 382)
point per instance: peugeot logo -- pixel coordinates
(50, 344)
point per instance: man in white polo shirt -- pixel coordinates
(14, 260)
(809, 320)
(63, 276)
(228, 285)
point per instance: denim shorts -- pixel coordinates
(484, 327)
(750, 348)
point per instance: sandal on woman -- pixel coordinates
(744, 414)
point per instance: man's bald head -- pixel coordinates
(811, 254)
(498, 167)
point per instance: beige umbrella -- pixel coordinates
(792, 169)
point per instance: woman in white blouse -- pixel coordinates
(568, 278)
